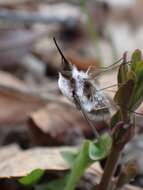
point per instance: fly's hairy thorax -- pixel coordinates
(79, 88)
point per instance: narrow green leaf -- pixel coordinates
(91, 27)
(69, 156)
(32, 178)
(136, 57)
(122, 73)
(124, 94)
(89, 153)
(139, 67)
(137, 94)
(100, 149)
(81, 162)
(53, 185)
(131, 75)
(137, 97)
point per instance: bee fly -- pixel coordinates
(83, 89)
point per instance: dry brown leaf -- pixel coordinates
(18, 163)
(24, 162)
(131, 187)
(12, 2)
(15, 105)
(82, 63)
(8, 80)
(58, 124)
(16, 100)
(8, 152)
(15, 43)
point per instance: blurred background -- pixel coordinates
(33, 112)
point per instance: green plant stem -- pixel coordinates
(113, 47)
(81, 163)
(109, 169)
(91, 28)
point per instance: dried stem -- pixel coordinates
(109, 169)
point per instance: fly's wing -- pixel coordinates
(101, 109)
(93, 101)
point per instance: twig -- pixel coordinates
(74, 2)
(109, 169)
(13, 2)
(26, 17)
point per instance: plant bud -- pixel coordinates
(122, 133)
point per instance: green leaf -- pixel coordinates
(122, 73)
(32, 178)
(137, 94)
(131, 75)
(139, 68)
(136, 57)
(88, 154)
(91, 27)
(100, 149)
(81, 162)
(69, 156)
(137, 97)
(82, 3)
(130, 80)
(53, 185)
(124, 94)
